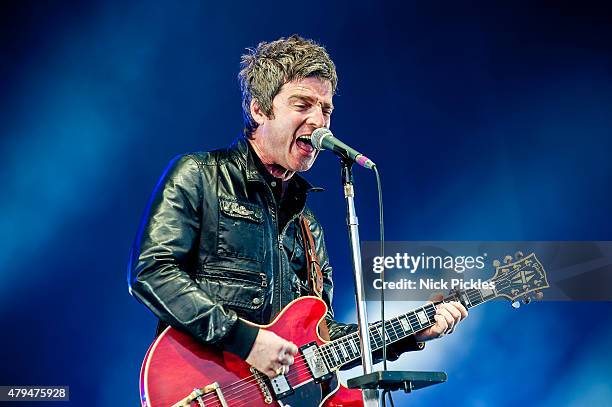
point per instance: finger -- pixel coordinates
(456, 318)
(455, 313)
(271, 373)
(279, 371)
(450, 321)
(440, 326)
(290, 348)
(286, 359)
(436, 297)
(462, 309)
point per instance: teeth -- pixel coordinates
(305, 139)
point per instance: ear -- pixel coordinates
(256, 112)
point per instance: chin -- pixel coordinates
(305, 167)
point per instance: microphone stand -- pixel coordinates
(370, 396)
(371, 381)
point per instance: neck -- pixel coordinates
(276, 170)
(346, 349)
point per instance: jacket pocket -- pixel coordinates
(240, 232)
(234, 288)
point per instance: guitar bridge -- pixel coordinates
(315, 363)
(196, 395)
(260, 378)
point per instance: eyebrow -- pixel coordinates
(310, 99)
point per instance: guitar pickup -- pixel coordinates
(281, 387)
(315, 363)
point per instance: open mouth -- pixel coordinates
(305, 144)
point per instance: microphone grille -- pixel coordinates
(318, 135)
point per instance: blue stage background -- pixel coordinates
(487, 122)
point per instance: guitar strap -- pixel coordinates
(313, 268)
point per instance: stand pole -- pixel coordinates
(370, 396)
(371, 381)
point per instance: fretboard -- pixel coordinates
(346, 349)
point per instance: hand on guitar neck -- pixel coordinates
(448, 315)
(271, 354)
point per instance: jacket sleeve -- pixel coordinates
(339, 329)
(165, 251)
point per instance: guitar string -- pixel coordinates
(233, 389)
(236, 392)
(394, 323)
(234, 395)
(322, 350)
(245, 386)
(332, 351)
(475, 296)
(304, 369)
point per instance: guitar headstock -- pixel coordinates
(521, 277)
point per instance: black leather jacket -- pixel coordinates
(209, 249)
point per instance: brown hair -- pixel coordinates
(265, 69)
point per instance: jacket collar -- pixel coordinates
(244, 153)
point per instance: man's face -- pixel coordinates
(298, 109)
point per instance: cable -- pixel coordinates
(381, 226)
(391, 399)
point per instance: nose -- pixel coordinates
(317, 118)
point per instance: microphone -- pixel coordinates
(323, 139)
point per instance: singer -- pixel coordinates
(226, 235)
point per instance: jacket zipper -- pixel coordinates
(280, 261)
(280, 243)
(282, 235)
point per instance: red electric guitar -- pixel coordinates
(178, 371)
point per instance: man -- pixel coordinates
(221, 236)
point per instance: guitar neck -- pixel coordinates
(347, 349)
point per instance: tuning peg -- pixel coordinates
(526, 300)
(508, 259)
(516, 305)
(496, 263)
(539, 295)
(519, 255)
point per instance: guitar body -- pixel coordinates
(176, 364)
